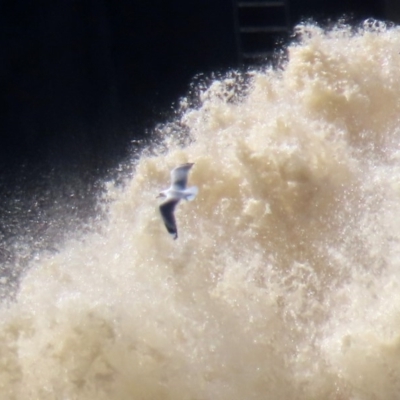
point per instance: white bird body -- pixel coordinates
(186, 194)
(176, 192)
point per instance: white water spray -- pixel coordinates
(285, 281)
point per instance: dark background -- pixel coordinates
(80, 79)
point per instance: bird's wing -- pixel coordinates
(167, 212)
(179, 176)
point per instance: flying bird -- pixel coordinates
(174, 194)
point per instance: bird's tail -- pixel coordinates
(191, 193)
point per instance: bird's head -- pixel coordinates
(161, 194)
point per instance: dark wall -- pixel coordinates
(324, 10)
(79, 79)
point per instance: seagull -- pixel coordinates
(174, 194)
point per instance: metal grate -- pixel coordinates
(259, 25)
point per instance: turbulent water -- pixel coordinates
(285, 280)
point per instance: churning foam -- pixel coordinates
(285, 280)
